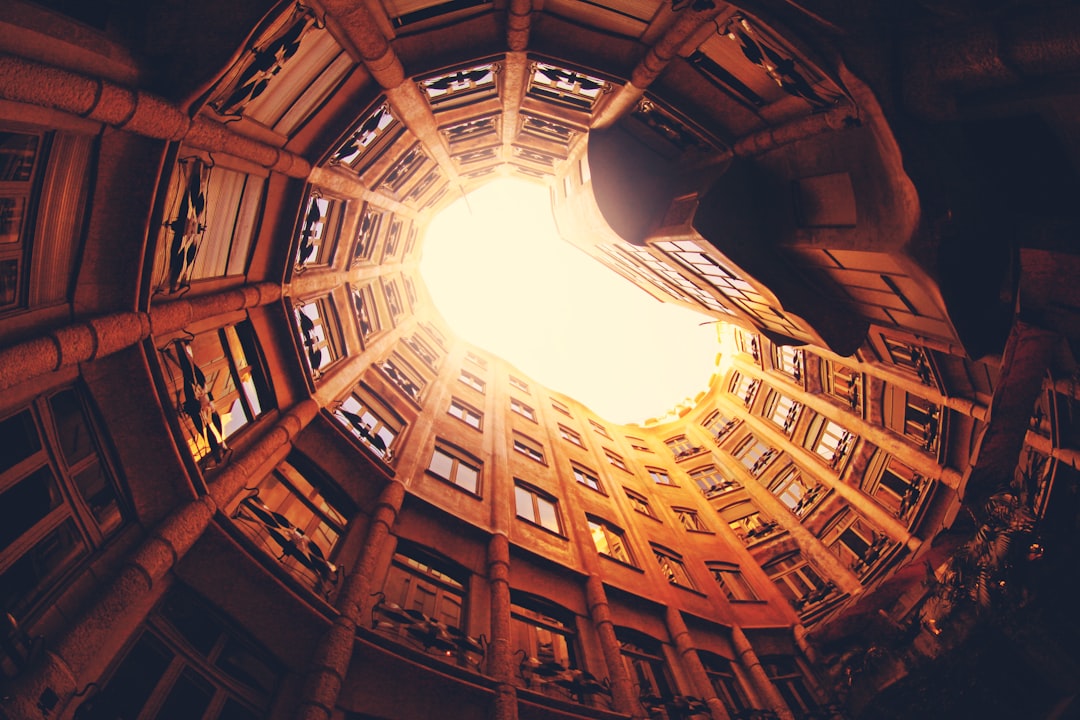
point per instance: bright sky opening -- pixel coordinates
(505, 281)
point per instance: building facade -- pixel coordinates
(248, 470)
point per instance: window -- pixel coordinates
(587, 477)
(371, 421)
(564, 87)
(640, 503)
(609, 540)
(681, 447)
(793, 491)
(422, 350)
(216, 368)
(788, 360)
(690, 519)
(294, 516)
(660, 477)
(570, 436)
(747, 522)
(671, 564)
(797, 580)
(367, 234)
(748, 343)
(599, 429)
(911, 416)
(20, 153)
(420, 580)
(854, 540)
(464, 85)
(367, 313)
(471, 380)
(466, 413)
(638, 444)
(537, 507)
(528, 446)
(522, 409)
(404, 376)
(189, 662)
(320, 334)
(782, 411)
(842, 383)
(785, 675)
(519, 384)
(363, 138)
(616, 460)
(909, 357)
(393, 237)
(730, 579)
(893, 484)
(319, 228)
(745, 388)
(542, 630)
(58, 498)
(755, 455)
(561, 408)
(393, 299)
(827, 440)
(456, 467)
(711, 482)
(725, 683)
(643, 657)
(475, 359)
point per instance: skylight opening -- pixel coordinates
(504, 280)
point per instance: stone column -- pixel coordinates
(123, 602)
(691, 663)
(622, 688)
(95, 338)
(765, 689)
(330, 662)
(500, 657)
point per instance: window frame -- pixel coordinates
(674, 567)
(732, 581)
(363, 402)
(536, 496)
(458, 458)
(466, 411)
(614, 539)
(583, 475)
(528, 447)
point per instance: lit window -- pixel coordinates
(58, 499)
(522, 409)
(599, 429)
(189, 662)
(660, 477)
(371, 421)
(537, 507)
(529, 447)
(616, 460)
(319, 228)
(744, 387)
(755, 455)
(466, 413)
(471, 380)
(689, 519)
(587, 477)
(291, 515)
(730, 579)
(609, 540)
(570, 436)
(671, 564)
(468, 84)
(364, 137)
(421, 581)
(320, 334)
(542, 631)
(640, 503)
(404, 376)
(393, 299)
(215, 366)
(519, 384)
(456, 467)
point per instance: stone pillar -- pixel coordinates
(123, 602)
(766, 690)
(518, 24)
(133, 110)
(691, 663)
(330, 662)
(622, 688)
(499, 655)
(95, 338)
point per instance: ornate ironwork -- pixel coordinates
(783, 70)
(188, 226)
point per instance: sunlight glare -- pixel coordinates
(504, 280)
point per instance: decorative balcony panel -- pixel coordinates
(568, 88)
(468, 85)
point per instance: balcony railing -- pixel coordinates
(434, 637)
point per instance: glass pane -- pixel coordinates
(18, 440)
(523, 501)
(441, 464)
(27, 503)
(9, 282)
(71, 426)
(188, 699)
(133, 682)
(97, 490)
(548, 517)
(12, 212)
(468, 477)
(27, 577)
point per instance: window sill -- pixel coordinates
(538, 526)
(454, 485)
(623, 563)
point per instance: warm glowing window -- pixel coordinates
(689, 519)
(640, 503)
(672, 566)
(609, 540)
